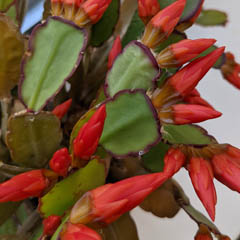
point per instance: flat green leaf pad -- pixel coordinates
(68, 191)
(12, 49)
(103, 29)
(33, 138)
(131, 125)
(135, 68)
(55, 50)
(190, 9)
(212, 18)
(186, 134)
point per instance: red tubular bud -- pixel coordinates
(179, 53)
(231, 70)
(201, 175)
(173, 161)
(85, 144)
(163, 24)
(226, 167)
(60, 162)
(203, 234)
(62, 109)
(147, 9)
(185, 80)
(51, 224)
(24, 185)
(77, 232)
(188, 113)
(107, 203)
(115, 51)
(91, 11)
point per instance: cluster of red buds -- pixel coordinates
(179, 87)
(81, 12)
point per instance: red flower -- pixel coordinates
(115, 51)
(185, 80)
(173, 161)
(24, 185)
(85, 144)
(147, 9)
(62, 109)
(77, 232)
(179, 53)
(189, 113)
(163, 24)
(231, 70)
(226, 167)
(107, 203)
(51, 224)
(201, 174)
(92, 11)
(60, 162)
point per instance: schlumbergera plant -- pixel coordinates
(98, 112)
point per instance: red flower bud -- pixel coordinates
(201, 175)
(188, 113)
(185, 80)
(231, 70)
(226, 167)
(163, 24)
(107, 203)
(173, 161)
(147, 9)
(78, 232)
(85, 144)
(24, 185)
(62, 109)
(179, 53)
(115, 51)
(51, 224)
(203, 234)
(60, 162)
(91, 11)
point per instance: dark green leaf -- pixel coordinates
(131, 125)
(212, 18)
(135, 68)
(153, 160)
(185, 134)
(134, 30)
(103, 29)
(33, 138)
(55, 50)
(65, 193)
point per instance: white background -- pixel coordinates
(226, 129)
